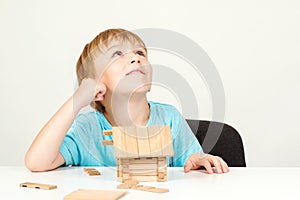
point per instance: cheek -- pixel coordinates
(110, 79)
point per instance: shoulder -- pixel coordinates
(162, 113)
(90, 119)
(91, 123)
(87, 117)
(162, 107)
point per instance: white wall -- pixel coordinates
(255, 46)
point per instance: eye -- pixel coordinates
(141, 53)
(117, 53)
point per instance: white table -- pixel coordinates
(239, 183)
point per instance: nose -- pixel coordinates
(134, 59)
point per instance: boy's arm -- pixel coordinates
(44, 154)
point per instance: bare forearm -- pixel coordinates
(44, 154)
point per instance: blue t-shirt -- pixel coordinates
(82, 144)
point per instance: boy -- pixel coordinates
(114, 76)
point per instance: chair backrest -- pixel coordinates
(226, 141)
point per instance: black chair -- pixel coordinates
(220, 139)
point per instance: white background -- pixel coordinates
(254, 45)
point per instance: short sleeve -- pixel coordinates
(184, 141)
(69, 147)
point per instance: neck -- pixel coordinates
(122, 110)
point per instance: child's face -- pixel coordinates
(124, 68)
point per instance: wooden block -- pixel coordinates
(144, 178)
(123, 186)
(107, 142)
(38, 186)
(141, 172)
(125, 176)
(162, 169)
(159, 190)
(92, 171)
(154, 133)
(162, 179)
(107, 132)
(119, 144)
(125, 161)
(148, 160)
(162, 165)
(150, 189)
(85, 194)
(161, 175)
(137, 186)
(167, 142)
(132, 181)
(143, 188)
(128, 184)
(143, 166)
(131, 142)
(143, 141)
(86, 169)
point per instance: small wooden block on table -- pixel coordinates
(128, 184)
(38, 186)
(85, 194)
(150, 189)
(92, 171)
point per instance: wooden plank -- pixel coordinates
(119, 143)
(166, 141)
(107, 142)
(148, 160)
(143, 141)
(154, 133)
(150, 189)
(128, 184)
(38, 186)
(143, 188)
(132, 150)
(107, 132)
(139, 172)
(94, 173)
(162, 164)
(88, 169)
(91, 171)
(144, 178)
(86, 194)
(159, 190)
(143, 166)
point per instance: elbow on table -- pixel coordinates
(34, 165)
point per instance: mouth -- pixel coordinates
(135, 71)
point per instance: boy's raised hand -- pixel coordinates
(88, 91)
(208, 161)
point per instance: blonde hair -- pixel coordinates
(85, 66)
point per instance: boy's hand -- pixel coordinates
(196, 161)
(88, 91)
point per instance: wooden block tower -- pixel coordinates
(141, 152)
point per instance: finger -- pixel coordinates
(188, 166)
(217, 164)
(208, 167)
(224, 165)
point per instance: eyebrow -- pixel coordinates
(119, 45)
(112, 47)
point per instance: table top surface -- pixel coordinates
(239, 183)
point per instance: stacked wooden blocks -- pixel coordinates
(141, 152)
